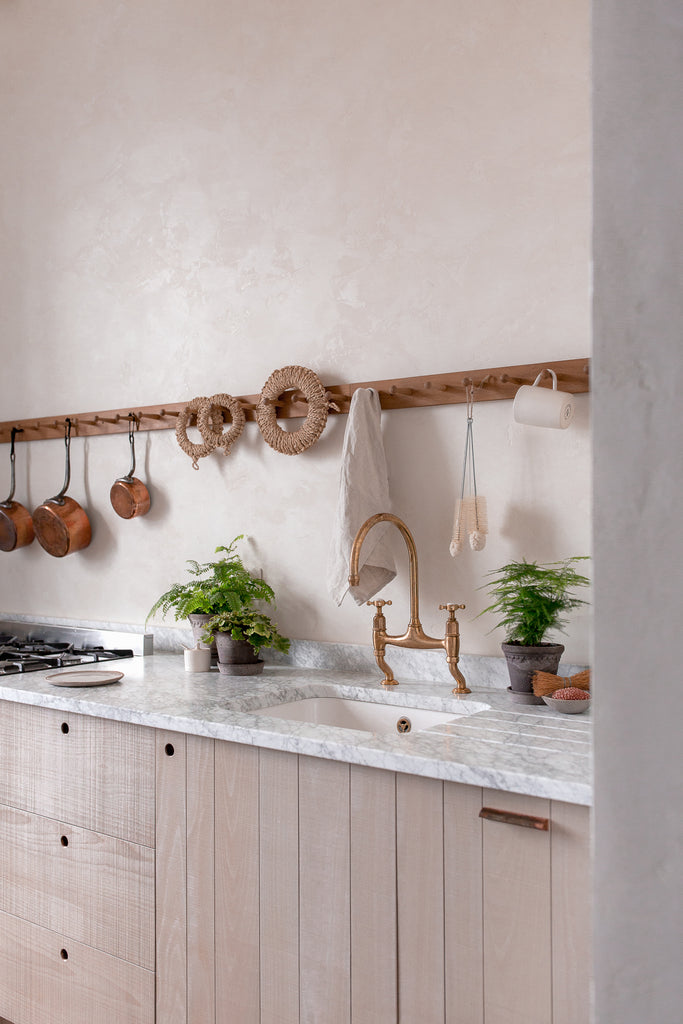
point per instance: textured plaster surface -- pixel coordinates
(195, 195)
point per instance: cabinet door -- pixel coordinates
(91, 772)
(516, 901)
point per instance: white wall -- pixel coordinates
(638, 472)
(196, 194)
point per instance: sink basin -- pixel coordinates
(347, 713)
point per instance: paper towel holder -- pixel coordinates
(535, 406)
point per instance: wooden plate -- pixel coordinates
(84, 677)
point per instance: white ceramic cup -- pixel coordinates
(543, 407)
(198, 659)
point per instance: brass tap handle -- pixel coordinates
(378, 604)
(451, 609)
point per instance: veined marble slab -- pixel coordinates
(493, 742)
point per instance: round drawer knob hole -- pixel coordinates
(170, 749)
(65, 727)
(64, 840)
(64, 955)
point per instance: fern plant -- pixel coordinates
(533, 599)
(224, 585)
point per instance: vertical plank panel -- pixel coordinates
(237, 884)
(171, 872)
(279, 829)
(463, 904)
(571, 924)
(517, 951)
(420, 877)
(201, 977)
(374, 968)
(324, 901)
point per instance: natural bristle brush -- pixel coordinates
(470, 518)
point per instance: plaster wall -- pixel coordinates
(194, 195)
(638, 493)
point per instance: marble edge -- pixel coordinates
(423, 753)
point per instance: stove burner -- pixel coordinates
(33, 655)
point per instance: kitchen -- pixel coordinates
(193, 200)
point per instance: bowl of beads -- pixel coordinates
(570, 700)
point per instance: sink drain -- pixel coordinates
(403, 725)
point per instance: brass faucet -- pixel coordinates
(414, 636)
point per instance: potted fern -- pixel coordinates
(533, 601)
(220, 601)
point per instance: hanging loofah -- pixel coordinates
(292, 442)
(213, 411)
(458, 529)
(471, 518)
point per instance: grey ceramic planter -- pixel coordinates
(237, 657)
(523, 661)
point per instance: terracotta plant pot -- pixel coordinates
(523, 661)
(237, 657)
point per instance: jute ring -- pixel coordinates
(195, 451)
(206, 421)
(292, 442)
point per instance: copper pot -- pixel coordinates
(16, 525)
(128, 495)
(61, 525)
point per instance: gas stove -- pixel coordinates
(28, 647)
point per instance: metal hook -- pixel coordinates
(12, 458)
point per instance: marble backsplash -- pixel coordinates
(480, 672)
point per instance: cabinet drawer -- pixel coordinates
(46, 978)
(92, 887)
(91, 772)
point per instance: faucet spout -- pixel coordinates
(388, 517)
(414, 637)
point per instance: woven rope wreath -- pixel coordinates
(209, 413)
(292, 442)
(200, 406)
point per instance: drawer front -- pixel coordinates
(92, 887)
(91, 772)
(46, 978)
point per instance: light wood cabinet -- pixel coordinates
(322, 891)
(150, 876)
(77, 887)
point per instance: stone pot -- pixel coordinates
(523, 661)
(237, 657)
(198, 621)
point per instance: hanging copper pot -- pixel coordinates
(128, 495)
(61, 525)
(16, 524)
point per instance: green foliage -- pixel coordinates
(247, 624)
(533, 599)
(226, 590)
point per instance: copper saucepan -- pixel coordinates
(128, 495)
(16, 525)
(61, 525)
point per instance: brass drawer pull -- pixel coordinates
(513, 818)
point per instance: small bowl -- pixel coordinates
(567, 707)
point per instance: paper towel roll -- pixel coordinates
(543, 407)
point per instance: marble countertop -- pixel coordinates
(493, 742)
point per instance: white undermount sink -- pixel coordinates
(348, 713)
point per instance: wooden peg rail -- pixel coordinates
(493, 384)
